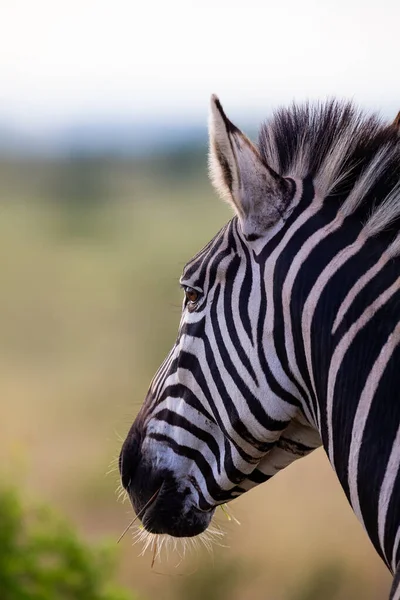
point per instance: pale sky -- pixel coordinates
(62, 61)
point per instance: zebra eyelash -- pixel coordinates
(186, 287)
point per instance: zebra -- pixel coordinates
(290, 328)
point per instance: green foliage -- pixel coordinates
(42, 558)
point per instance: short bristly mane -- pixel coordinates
(350, 155)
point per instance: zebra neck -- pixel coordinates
(337, 298)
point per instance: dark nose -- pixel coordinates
(142, 481)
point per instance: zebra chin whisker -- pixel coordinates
(229, 514)
(122, 494)
(156, 542)
(212, 537)
(113, 466)
(120, 439)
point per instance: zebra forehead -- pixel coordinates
(223, 240)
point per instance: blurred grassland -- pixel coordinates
(90, 256)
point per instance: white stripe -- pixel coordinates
(287, 290)
(397, 593)
(275, 365)
(361, 416)
(313, 298)
(357, 287)
(387, 489)
(395, 550)
(343, 347)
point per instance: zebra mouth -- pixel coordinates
(171, 513)
(163, 503)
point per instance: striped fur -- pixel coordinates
(294, 339)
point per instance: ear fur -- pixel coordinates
(396, 123)
(258, 194)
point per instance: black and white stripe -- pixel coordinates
(294, 339)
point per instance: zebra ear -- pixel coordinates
(258, 194)
(396, 123)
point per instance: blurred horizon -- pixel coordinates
(130, 77)
(124, 139)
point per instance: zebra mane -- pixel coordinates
(349, 154)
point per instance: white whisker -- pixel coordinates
(118, 436)
(228, 513)
(159, 544)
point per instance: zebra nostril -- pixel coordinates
(205, 510)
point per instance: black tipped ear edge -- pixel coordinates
(217, 107)
(396, 122)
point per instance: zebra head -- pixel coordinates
(221, 414)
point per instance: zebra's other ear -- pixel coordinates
(396, 123)
(258, 194)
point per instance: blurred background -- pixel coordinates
(103, 197)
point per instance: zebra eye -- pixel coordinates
(191, 294)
